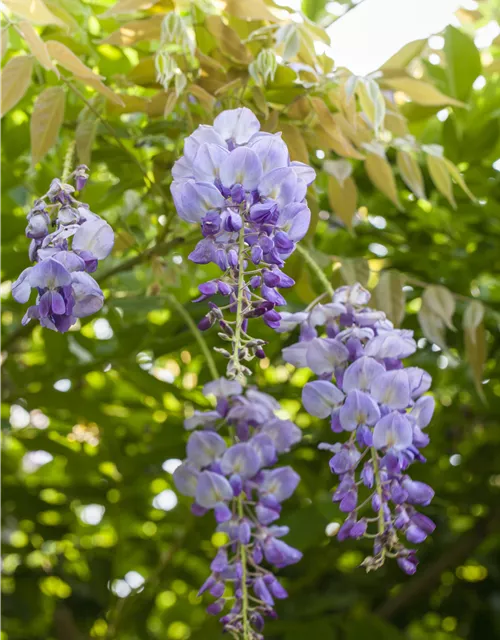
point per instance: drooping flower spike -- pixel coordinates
(239, 185)
(367, 393)
(237, 483)
(64, 257)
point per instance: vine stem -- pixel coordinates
(236, 363)
(378, 485)
(239, 306)
(316, 269)
(197, 335)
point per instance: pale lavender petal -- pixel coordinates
(398, 343)
(242, 459)
(201, 419)
(271, 150)
(392, 388)
(279, 185)
(95, 236)
(242, 166)
(238, 125)
(193, 199)
(88, 295)
(420, 381)
(21, 289)
(423, 410)
(324, 354)
(203, 134)
(283, 433)
(49, 274)
(186, 479)
(212, 488)
(70, 260)
(182, 170)
(289, 320)
(355, 295)
(208, 161)
(222, 387)
(204, 447)
(295, 218)
(304, 172)
(358, 409)
(361, 374)
(320, 397)
(296, 354)
(279, 483)
(393, 431)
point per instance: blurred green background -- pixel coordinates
(96, 541)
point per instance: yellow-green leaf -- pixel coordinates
(380, 173)
(100, 87)
(136, 31)
(405, 55)
(128, 6)
(441, 177)
(36, 11)
(67, 59)
(457, 176)
(228, 40)
(84, 138)
(410, 172)
(343, 199)
(390, 297)
(420, 92)
(170, 103)
(37, 46)
(4, 42)
(432, 326)
(441, 302)
(355, 270)
(46, 120)
(206, 99)
(16, 78)
(295, 141)
(254, 10)
(372, 102)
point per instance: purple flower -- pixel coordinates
(63, 258)
(366, 391)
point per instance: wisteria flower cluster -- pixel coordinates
(382, 408)
(67, 241)
(237, 483)
(239, 184)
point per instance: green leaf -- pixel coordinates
(390, 297)
(463, 62)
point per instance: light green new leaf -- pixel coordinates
(390, 296)
(474, 314)
(410, 172)
(457, 176)
(463, 62)
(476, 351)
(380, 173)
(440, 175)
(46, 121)
(372, 102)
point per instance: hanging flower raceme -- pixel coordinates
(238, 183)
(380, 405)
(237, 482)
(64, 257)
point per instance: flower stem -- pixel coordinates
(197, 335)
(239, 308)
(316, 269)
(244, 588)
(378, 485)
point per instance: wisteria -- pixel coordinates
(382, 408)
(239, 483)
(239, 184)
(67, 241)
(249, 199)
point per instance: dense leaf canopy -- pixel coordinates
(96, 540)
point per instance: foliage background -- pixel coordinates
(90, 417)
